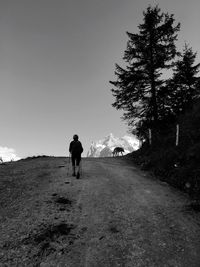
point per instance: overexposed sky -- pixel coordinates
(56, 60)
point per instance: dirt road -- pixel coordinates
(115, 215)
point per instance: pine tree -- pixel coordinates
(183, 87)
(148, 54)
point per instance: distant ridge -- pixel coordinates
(105, 147)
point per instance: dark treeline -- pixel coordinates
(143, 90)
(158, 89)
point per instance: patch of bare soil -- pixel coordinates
(115, 215)
(48, 239)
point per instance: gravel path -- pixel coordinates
(115, 215)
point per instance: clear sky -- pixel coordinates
(56, 60)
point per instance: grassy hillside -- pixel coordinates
(177, 165)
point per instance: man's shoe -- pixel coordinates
(78, 175)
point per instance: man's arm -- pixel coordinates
(70, 148)
(81, 148)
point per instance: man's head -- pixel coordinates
(75, 137)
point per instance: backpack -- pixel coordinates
(76, 147)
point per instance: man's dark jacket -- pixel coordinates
(75, 148)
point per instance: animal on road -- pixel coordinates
(117, 151)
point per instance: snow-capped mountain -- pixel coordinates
(105, 147)
(8, 154)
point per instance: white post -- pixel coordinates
(150, 136)
(140, 143)
(177, 134)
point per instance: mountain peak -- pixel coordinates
(105, 147)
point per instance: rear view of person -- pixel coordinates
(75, 150)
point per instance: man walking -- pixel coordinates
(75, 149)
